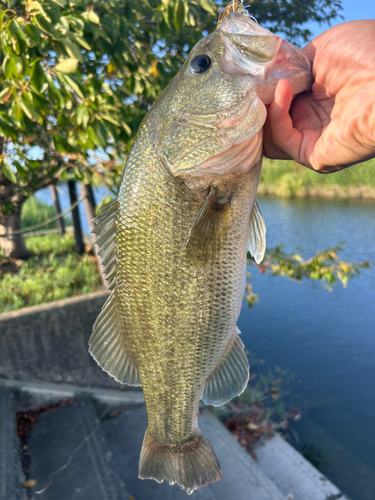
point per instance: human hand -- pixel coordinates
(333, 126)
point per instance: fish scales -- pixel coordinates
(181, 315)
(174, 242)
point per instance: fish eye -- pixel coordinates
(200, 63)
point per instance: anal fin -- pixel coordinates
(106, 346)
(231, 375)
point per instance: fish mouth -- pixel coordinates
(250, 49)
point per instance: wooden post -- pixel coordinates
(56, 202)
(90, 206)
(80, 247)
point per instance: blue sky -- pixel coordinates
(352, 10)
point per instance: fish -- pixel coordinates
(174, 242)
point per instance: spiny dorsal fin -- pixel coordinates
(106, 346)
(106, 240)
(210, 228)
(256, 243)
(231, 375)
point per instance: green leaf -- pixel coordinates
(111, 119)
(30, 112)
(208, 6)
(37, 76)
(164, 28)
(92, 136)
(55, 92)
(20, 35)
(37, 7)
(60, 3)
(5, 94)
(100, 133)
(9, 67)
(71, 48)
(33, 33)
(179, 15)
(67, 66)
(45, 26)
(91, 16)
(126, 127)
(82, 42)
(74, 85)
(8, 172)
(2, 15)
(7, 129)
(83, 116)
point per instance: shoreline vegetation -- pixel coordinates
(288, 179)
(54, 272)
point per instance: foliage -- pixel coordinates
(35, 212)
(51, 244)
(325, 267)
(77, 78)
(288, 18)
(56, 272)
(288, 179)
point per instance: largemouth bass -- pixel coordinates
(174, 242)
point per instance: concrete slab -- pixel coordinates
(10, 477)
(33, 393)
(70, 457)
(50, 342)
(292, 473)
(345, 469)
(242, 477)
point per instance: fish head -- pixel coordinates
(214, 109)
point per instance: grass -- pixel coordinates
(56, 272)
(289, 179)
(35, 212)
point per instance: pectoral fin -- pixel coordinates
(210, 228)
(256, 243)
(230, 377)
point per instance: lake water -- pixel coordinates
(327, 339)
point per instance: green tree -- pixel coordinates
(78, 76)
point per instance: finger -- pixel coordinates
(310, 49)
(269, 149)
(284, 136)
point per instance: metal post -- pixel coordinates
(56, 202)
(80, 247)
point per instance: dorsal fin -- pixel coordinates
(107, 343)
(106, 231)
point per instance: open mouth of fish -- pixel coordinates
(250, 49)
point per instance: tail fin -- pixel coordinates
(191, 464)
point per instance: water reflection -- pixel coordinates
(326, 339)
